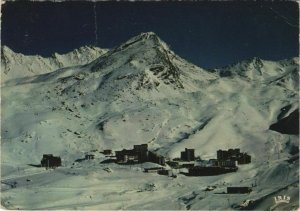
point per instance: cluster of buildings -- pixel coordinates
(233, 155)
(227, 160)
(139, 154)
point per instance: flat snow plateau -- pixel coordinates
(142, 92)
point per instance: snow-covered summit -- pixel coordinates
(149, 38)
(148, 59)
(144, 55)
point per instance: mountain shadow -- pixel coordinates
(288, 125)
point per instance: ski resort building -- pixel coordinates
(188, 155)
(89, 157)
(210, 170)
(155, 158)
(233, 155)
(238, 190)
(107, 152)
(127, 156)
(142, 152)
(244, 159)
(50, 161)
(226, 162)
(139, 154)
(226, 154)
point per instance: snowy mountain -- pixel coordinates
(142, 92)
(283, 72)
(16, 65)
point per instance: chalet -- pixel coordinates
(50, 161)
(188, 155)
(89, 157)
(107, 152)
(238, 190)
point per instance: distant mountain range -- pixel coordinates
(16, 65)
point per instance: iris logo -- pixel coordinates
(282, 199)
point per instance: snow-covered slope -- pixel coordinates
(284, 72)
(142, 92)
(16, 65)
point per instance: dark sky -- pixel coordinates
(209, 34)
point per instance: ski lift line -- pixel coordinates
(283, 17)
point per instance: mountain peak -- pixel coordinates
(147, 35)
(146, 57)
(145, 38)
(146, 47)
